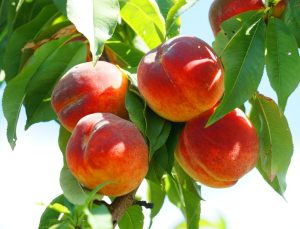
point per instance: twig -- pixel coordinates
(143, 203)
(119, 206)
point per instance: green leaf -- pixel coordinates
(99, 217)
(190, 192)
(59, 208)
(165, 6)
(96, 20)
(2, 76)
(220, 42)
(73, 191)
(133, 218)
(161, 163)
(93, 194)
(63, 138)
(243, 60)
(136, 106)
(144, 17)
(20, 37)
(155, 195)
(3, 43)
(129, 55)
(291, 18)
(228, 29)
(276, 145)
(38, 93)
(205, 223)
(48, 31)
(172, 143)
(176, 10)
(171, 187)
(50, 216)
(282, 60)
(157, 130)
(63, 225)
(3, 12)
(61, 5)
(25, 11)
(231, 26)
(15, 90)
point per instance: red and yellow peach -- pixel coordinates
(87, 89)
(219, 155)
(181, 78)
(106, 148)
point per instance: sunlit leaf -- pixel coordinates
(243, 60)
(276, 145)
(178, 8)
(128, 55)
(50, 216)
(282, 60)
(144, 17)
(96, 20)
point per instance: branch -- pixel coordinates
(119, 206)
(144, 204)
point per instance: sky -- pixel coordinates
(30, 174)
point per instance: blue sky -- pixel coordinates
(29, 175)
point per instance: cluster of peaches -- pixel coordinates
(182, 81)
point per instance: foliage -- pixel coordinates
(42, 39)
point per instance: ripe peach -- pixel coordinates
(220, 154)
(181, 78)
(221, 10)
(104, 147)
(85, 89)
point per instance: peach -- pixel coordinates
(86, 89)
(181, 78)
(106, 148)
(222, 10)
(219, 155)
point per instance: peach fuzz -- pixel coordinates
(86, 89)
(219, 155)
(106, 148)
(222, 10)
(181, 78)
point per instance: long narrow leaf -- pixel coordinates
(15, 91)
(276, 145)
(282, 60)
(243, 60)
